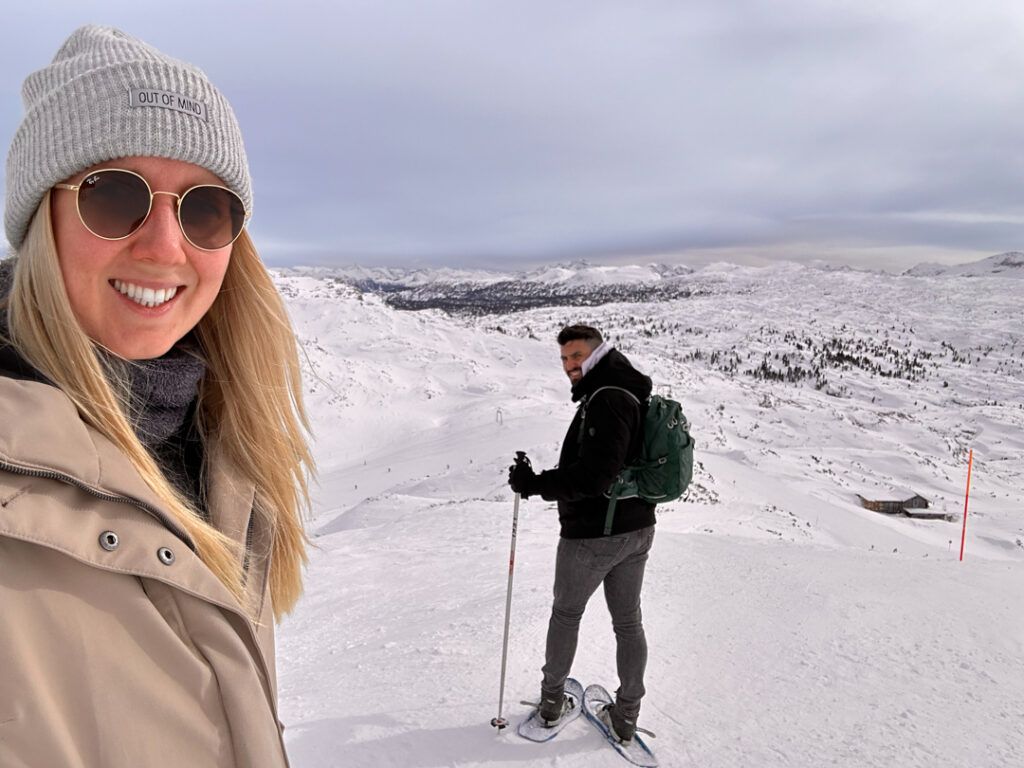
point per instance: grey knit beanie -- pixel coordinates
(108, 95)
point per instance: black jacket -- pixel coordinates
(589, 462)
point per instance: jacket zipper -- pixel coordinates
(166, 521)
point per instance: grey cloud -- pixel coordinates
(447, 131)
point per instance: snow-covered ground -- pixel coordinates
(788, 626)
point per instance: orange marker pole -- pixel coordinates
(967, 495)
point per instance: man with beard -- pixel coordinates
(604, 437)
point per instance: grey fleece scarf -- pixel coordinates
(162, 389)
(163, 394)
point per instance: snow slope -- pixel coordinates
(788, 626)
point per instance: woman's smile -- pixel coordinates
(145, 297)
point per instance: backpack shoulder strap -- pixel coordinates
(613, 497)
(586, 401)
(612, 386)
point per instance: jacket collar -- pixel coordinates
(596, 356)
(43, 431)
(613, 369)
(42, 435)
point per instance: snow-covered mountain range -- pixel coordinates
(1010, 264)
(788, 625)
(578, 283)
(486, 292)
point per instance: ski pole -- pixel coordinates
(500, 722)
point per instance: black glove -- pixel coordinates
(522, 478)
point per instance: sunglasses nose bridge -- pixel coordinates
(175, 195)
(177, 202)
(159, 227)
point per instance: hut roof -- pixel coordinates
(891, 494)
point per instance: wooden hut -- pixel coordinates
(905, 503)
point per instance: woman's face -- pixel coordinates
(101, 275)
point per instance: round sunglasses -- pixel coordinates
(113, 203)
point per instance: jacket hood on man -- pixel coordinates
(614, 369)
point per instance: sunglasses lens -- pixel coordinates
(211, 217)
(113, 204)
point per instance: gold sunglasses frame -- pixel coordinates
(153, 193)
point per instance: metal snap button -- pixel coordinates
(165, 555)
(109, 541)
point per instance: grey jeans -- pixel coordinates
(581, 566)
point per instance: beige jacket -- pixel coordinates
(118, 647)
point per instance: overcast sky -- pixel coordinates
(513, 132)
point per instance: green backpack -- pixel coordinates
(664, 468)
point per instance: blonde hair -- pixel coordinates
(250, 397)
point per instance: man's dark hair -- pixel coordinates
(572, 332)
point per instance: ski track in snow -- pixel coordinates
(787, 625)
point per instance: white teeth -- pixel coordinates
(146, 297)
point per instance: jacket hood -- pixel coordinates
(614, 369)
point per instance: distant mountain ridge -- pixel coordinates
(582, 283)
(1009, 264)
(480, 292)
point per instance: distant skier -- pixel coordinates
(603, 437)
